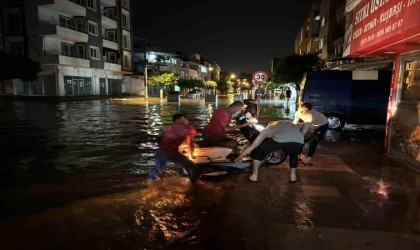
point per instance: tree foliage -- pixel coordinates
(20, 67)
(164, 79)
(225, 86)
(292, 68)
(190, 83)
(210, 84)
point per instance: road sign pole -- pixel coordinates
(259, 77)
(258, 100)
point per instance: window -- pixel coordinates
(94, 52)
(67, 49)
(66, 22)
(127, 60)
(410, 81)
(80, 50)
(13, 22)
(125, 20)
(111, 57)
(109, 12)
(126, 41)
(321, 43)
(93, 28)
(17, 48)
(125, 3)
(78, 23)
(91, 4)
(110, 35)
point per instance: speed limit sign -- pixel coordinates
(260, 76)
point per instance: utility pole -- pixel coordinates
(146, 94)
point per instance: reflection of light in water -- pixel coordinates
(166, 211)
(303, 213)
(380, 188)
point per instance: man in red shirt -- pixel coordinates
(172, 137)
(215, 131)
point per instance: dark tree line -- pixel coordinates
(20, 67)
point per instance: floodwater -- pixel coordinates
(72, 172)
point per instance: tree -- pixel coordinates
(190, 83)
(163, 79)
(225, 86)
(20, 67)
(210, 84)
(292, 68)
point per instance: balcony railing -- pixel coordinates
(71, 26)
(114, 61)
(110, 13)
(65, 53)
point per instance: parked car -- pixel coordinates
(195, 93)
(261, 93)
(352, 97)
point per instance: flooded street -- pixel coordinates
(73, 171)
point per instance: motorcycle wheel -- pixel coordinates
(276, 157)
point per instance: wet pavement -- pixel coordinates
(353, 197)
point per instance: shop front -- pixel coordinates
(392, 28)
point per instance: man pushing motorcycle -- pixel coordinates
(283, 135)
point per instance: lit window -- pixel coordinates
(321, 43)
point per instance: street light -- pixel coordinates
(210, 69)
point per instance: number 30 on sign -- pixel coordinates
(260, 76)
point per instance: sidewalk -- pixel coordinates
(353, 197)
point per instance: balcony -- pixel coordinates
(66, 33)
(64, 6)
(112, 66)
(64, 58)
(110, 44)
(109, 23)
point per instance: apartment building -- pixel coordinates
(148, 55)
(323, 32)
(84, 46)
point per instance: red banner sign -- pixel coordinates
(380, 23)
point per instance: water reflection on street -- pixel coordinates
(76, 169)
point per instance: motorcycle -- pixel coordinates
(207, 157)
(251, 131)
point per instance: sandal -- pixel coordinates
(307, 164)
(290, 180)
(249, 179)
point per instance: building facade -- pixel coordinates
(84, 46)
(392, 28)
(148, 55)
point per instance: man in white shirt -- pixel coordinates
(314, 126)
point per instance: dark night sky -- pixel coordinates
(239, 36)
